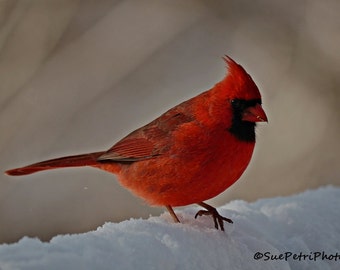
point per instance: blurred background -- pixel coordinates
(78, 75)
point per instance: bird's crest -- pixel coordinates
(238, 83)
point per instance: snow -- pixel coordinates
(303, 224)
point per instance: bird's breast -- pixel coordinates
(193, 170)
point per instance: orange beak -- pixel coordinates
(254, 114)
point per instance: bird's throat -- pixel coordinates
(242, 130)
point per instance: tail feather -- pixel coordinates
(70, 161)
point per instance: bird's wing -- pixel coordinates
(148, 141)
(129, 149)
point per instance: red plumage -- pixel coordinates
(191, 153)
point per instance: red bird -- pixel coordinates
(189, 154)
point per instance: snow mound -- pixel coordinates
(297, 232)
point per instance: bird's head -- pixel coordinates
(244, 99)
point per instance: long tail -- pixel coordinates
(70, 161)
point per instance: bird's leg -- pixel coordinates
(211, 211)
(172, 213)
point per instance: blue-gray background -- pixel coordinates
(76, 76)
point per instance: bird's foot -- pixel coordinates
(172, 213)
(211, 211)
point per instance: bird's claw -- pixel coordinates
(218, 219)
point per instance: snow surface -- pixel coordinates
(308, 222)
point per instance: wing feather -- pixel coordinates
(129, 149)
(148, 141)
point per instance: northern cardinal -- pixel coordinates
(189, 154)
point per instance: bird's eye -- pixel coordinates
(236, 103)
